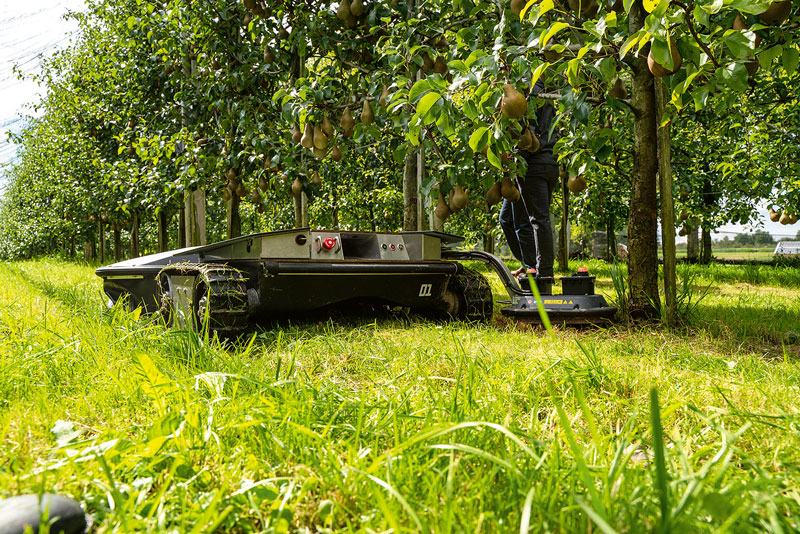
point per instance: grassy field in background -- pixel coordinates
(398, 425)
(742, 253)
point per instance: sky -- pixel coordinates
(32, 30)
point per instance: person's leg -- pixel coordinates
(537, 192)
(518, 231)
(509, 229)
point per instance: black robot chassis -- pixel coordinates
(255, 278)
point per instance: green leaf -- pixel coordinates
(493, 159)
(753, 7)
(419, 88)
(661, 53)
(470, 110)
(738, 43)
(478, 138)
(790, 58)
(426, 103)
(768, 56)
(131, 22)
(734, 76)
(551, 32)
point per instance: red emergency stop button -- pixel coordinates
(328, 243)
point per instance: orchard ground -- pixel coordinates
(391, 423)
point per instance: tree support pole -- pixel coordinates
(563, 230)
(667, 205)
(195, 218)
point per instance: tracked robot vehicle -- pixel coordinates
(255, 278)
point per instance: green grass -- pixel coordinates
(406, 426)
(739, 253)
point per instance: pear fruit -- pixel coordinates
(442, 211)
(263, 184)
(320, 139)
(427, 62)
(319, 152)
(493, 195)
(343, 11)
(296, 133)
(269, 55)
(384, 95)
(440, 66)
(327, 127)
(231, 174)
(576, 184)
(517, 6)
(336, 154)
(586, 8)
(777, 12)
(357, 8)
(255, 196)
(367, 116)
(738, 23)
(460, 198)
(297, 187)
(226, 195)
(315, 179)
(658, 70)
(784, 219)
(509, 190)
(347, 122)
(792, 218)
(525, 141)
(513, 104)
(308, 136)
(619, 91)
(241, 190)
(774, 216)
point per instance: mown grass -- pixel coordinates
(362, 425)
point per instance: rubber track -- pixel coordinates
(476, 295)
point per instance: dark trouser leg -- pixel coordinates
(537, 192)
(518, 231)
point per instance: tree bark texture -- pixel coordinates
(410, 193)
(135, 235)
(233, 219)
(706, 254)
(182, 226)
(642, 224)
(117, 244)
(298, 212)
(692, 242)
(667, 208)
(195, 203)
(163, 236)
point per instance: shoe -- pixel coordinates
(518, 271)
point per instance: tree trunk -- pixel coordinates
(182, 226)
(692, 241)
(195, 203)
(298, 212)
(102, 241)
(117, 244)
(233, 219)
(706, 254)
(88, 248)
(163, 235)
(642, 226)
(563, 229)
(135, 235)
(667, 208)
(611, 237)
(410, 193)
